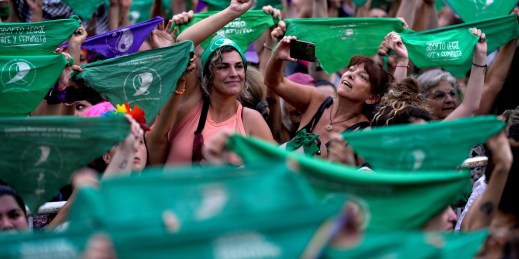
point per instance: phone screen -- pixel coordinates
(302, 50)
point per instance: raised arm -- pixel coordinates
(203, 29)
(392, 41)
(297, 95)
(427, 16)
(472, 98)
(266, 43)
(483, 210)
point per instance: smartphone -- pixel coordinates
(302, 50)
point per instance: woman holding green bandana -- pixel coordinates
(209, 105)
(360, 89)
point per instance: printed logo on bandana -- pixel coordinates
(38, 162)
(17, 75)
(122, 43)
(221, 42)
(142, 84)
(414, 157)
(361, 209)
(245, 245)
(483, 4)
(214, 199)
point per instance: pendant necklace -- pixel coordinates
(329, 126)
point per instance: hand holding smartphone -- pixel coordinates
(302, 50)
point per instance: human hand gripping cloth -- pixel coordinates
(498, 32)
(195, 195)
(84, 8)
(40, 153)
(390, 200)
(412, 245)
(474, 10)
(16, 38)
(123, 41)
(446, 48)
(147, 79)
(431, 146)
(218, 5)
(140, 10)
(25, 79)
(243, 30)
(338, 39)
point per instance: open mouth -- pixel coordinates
(346, 83)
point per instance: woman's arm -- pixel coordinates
(256, 126)
(472, 98)
(392, 41)
(203, 29)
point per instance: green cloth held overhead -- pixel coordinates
(432, 146)
(18, 37)
(412, 245)
(390, 200)
(498, 32)
(218, 5)
(25, 79)
(338, 39)
(195, 195)
(84, 8)
(474, 10)
(446, 48)
(140, 10)
(147, 79)
(243, 30)
(40, 153)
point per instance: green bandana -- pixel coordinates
(216, 43)
(474, 10)
(431, 146)
(140, 10)
(338, 39)
(498, 32)
(146, 79)
(195, 195)
(84, 8)
(40, 153)
(389, 200)
(36, 35)
(307, 141)
(413, 245)
(447, 48)
(244, 30)
(26, 79)
(218, 5)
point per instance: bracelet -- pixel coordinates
(267, 47)
(403, 66)
(485, 66)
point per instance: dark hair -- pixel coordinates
(401, 103)
(508, 202)
(379, 79)
(5, 189)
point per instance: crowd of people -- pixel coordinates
(265, 93)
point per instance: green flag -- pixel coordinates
(244, 30)
(431, 146)
(25, 79)
(474, 10)
(218, 5)
(18, 37)
(446, 48)
(84, 8)
(194, 195)
(390, 200)
(146, 79)
(140, 10)
(338, 39)
(498, 31)
(412, 245)
(40, 153)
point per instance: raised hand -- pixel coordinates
(162, 37)
(392, 41)
(279, 31)
(240, 6)
(282, 50)
(276, 13)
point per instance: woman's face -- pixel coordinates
(442, 100)
(80, 107)
(11, 215)
(229, 75)
(355, 84)
(141, 156)
(445, 221)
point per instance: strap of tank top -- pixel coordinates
(327, 103)
(198, 141)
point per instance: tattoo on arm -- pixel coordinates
(487, 207)
(123, 164)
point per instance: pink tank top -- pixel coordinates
(182, 135)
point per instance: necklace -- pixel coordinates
(329, 126)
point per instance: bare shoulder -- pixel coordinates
(255, 125)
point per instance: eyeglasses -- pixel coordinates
(440, 95)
